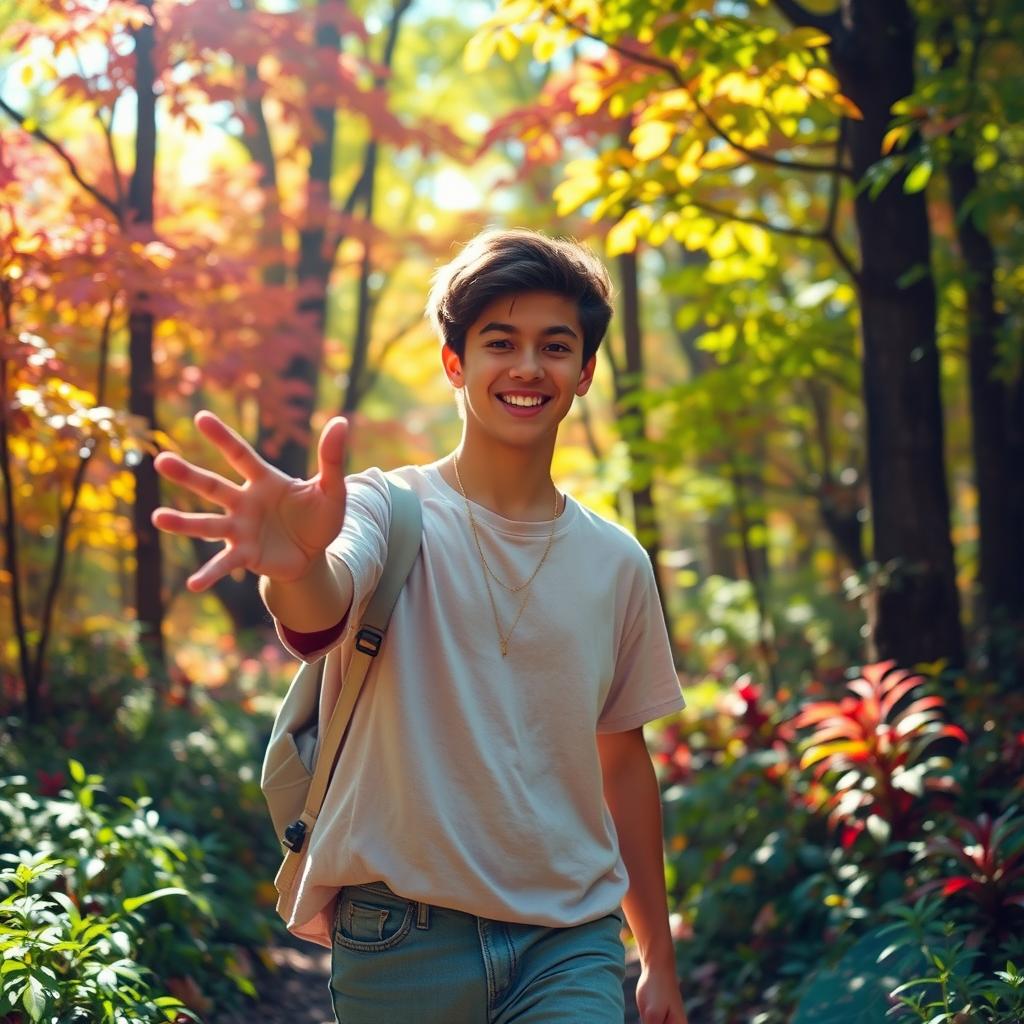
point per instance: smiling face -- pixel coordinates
(522, 367)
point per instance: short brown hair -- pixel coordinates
(509, 261)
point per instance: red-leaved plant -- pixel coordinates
(874, 751)
(987, 861)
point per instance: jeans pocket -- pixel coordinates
(370, 920)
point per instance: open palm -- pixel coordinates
(272, 524)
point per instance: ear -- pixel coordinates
(452, 366)
(586, 376)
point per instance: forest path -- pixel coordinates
(298, 994)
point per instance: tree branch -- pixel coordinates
(108, 130)
(779, 229)
(829, 232)
(21, 120)
(757, 155)
(825, 234)
(68, 511)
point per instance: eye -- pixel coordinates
(558, 347)
(498, 343)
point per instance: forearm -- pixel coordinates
(631, 791)
(318, 600)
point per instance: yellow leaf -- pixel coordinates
(676, 99)
(508, 45)
(694, 233)
(918, 178)
(662, 228)
(28, 73)
(546, 45)
(722, 243)
(588, 97)
(848, 107)
(754, 239)
(576, 190)
(892, 137)
(623, 236)
(687, 173)
(651, 139)
(821, 82)
(807, 37)
(723, 156)
(795, 66)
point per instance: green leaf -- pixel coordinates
(34, 998)
(918, 178)
(77, 770)
(134, 902)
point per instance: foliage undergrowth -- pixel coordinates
(118, 796)
(855, 853)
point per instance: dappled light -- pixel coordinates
(808, 410)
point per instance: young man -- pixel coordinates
(494, 802)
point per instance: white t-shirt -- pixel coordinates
(472, 781)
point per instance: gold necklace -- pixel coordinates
(503, 639)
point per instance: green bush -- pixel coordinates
(61, 964)
(179, 805)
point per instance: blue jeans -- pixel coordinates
(396, 961)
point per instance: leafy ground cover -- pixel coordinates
(851, 854)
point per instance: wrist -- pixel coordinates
(315, 571)
(659, 959)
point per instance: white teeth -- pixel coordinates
(522, 400)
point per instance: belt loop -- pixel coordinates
(423, 916)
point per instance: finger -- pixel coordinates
(235, 449)
(331, 457)
(211, 486)
(226, 561)
(203, 525)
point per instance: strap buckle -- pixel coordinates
(368, 641)
(295, 836)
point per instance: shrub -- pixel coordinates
(63, 964)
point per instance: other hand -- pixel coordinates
(658, 998)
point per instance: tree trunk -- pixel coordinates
(314, 265)
(355, 386)
(720, 559)
(10, 522)
(149, 602)
(997, 420)
(240, 598)
(916, 613)
(629, 379)
(358, 380)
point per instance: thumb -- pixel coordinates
(331, 457)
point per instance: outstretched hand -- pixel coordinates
(272, 524)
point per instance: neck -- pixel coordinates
(513, 482)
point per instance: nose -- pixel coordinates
(527, 365)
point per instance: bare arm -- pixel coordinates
(631, 792)
(316, 601)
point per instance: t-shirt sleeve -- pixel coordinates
(360, 549)
(645, 685)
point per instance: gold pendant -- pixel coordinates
(504, 648)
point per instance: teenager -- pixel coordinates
(494, 802)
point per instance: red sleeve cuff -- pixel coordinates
(307, 643)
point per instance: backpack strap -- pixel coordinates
(404, 536)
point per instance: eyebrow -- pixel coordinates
(512, 329)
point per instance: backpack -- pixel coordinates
(299, 762)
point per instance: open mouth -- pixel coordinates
(524, 401)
